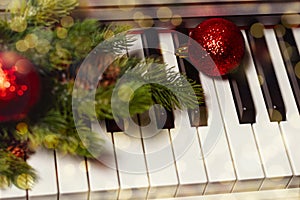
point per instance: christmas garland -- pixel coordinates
(44, 34)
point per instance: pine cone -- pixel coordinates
(19, 149)
(110, 76)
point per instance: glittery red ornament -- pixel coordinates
(222, 43)
(19, 86)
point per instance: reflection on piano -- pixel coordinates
(256, 116)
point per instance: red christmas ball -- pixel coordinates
(222, 46)
(19, 86)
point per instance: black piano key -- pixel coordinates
(291, 58)
(151, 45)
(266, 73)
(198, 116)
(113, 126)
(242, 96)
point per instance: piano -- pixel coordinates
(247, 149)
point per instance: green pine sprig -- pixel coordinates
(14, 170)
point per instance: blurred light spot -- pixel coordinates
(176, 20)
(22, 45)
(297, 70)
(24, 87)
(261, 79)
(290, 20)
(147, 22)
(22, 128)
(67, 21)
(69, 170)
(6, 84)
(51, 141)
(164, 14)
(25, 181)
(275, 115)
(257, 30)
(12, 88)
(23, 66)
(289, 51)
(137, 16)
(31, 40)
(61, 32)
(125, 93)
(20, 92)
(18, 24)
(126, 5)
(280, 30)
(43, 46)
(264, 8)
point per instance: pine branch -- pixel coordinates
(15, 170)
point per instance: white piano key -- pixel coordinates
(217, 157)
(269, 141)
(189, 162)
(72, 177)
(241, 141)
(136, 49)
(43, 162)
(168, 50)
(187, 152)
(290, 128)
(133, 177)
(12, 193)
(103, 175)
(160, 163)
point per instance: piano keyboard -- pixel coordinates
(225, 159)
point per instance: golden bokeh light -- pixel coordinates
(164, 14)
(126, 5)
(61, 32)
(275, 115)
(43, 46)
(290, 20)
(257, 30)
(147, 22)
(32, 40)
(280, 30)
(67, 21)
(51, 141)
(137, 16)
(22, 45)
(176, 20)
(125, 93)
(18, 24)
(22, 128)
(264, 8)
